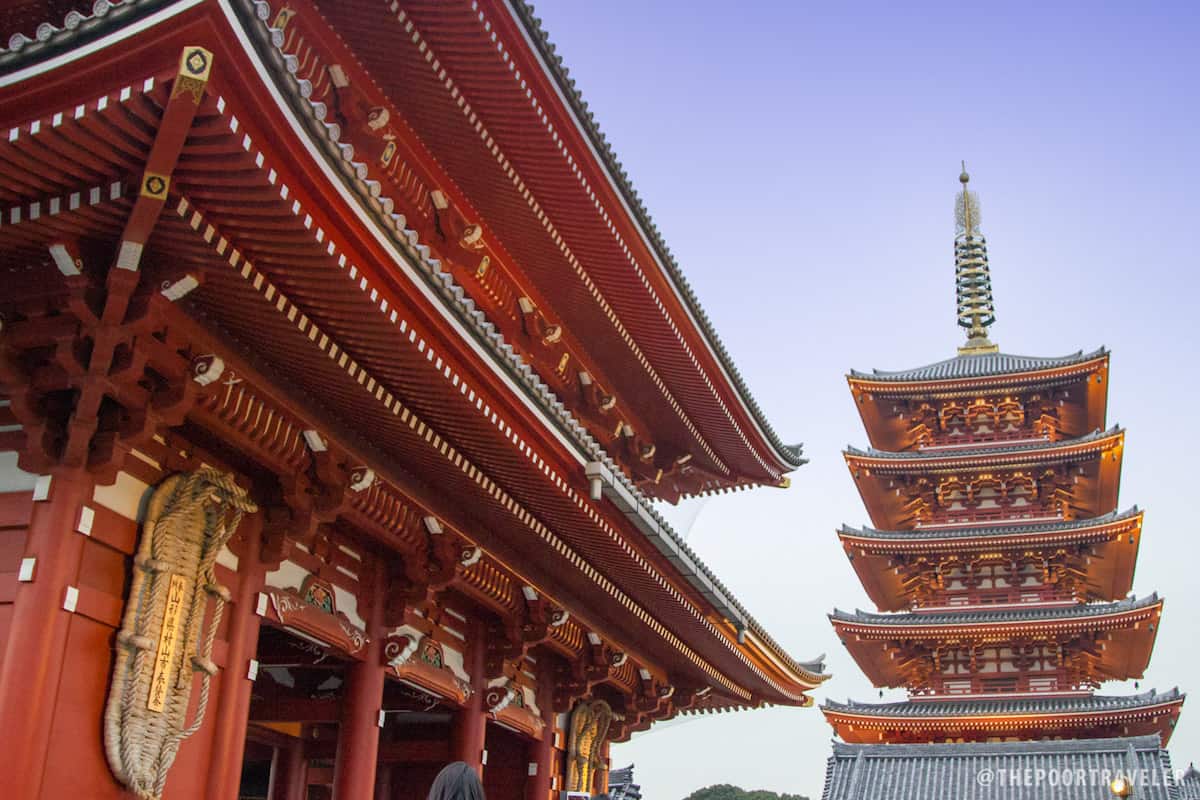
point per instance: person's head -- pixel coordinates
(457, 781)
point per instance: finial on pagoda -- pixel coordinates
(973, 281)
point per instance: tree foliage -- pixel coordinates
(725, 791)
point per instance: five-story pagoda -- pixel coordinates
(998, 558)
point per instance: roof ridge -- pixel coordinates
(1009, 614)
(561, 75)
(1093, 436)
(984, 705)
(1015, 528)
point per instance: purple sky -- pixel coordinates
(801, 160)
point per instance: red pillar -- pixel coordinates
(37, 640)
(541, 752)
(358, 733)
(289, 773)
(470, 727)
(233, 703)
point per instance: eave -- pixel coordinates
(291, 295)
(1131, 628)
(536, 179)
(1115, 539)
(875, 471)
(874, 396)
(929, 720)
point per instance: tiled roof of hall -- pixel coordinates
(79, 29)
(895, 771)
(50, 39)
(1002, 705)
(1012, 614)
(979, 365)
(989, 531)
(974, 452)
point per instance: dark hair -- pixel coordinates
(457, 781)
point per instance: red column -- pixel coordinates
(358, 733)
(35, 653)
(232, 713)
(289, 773)
(470, 727)
(541, 753)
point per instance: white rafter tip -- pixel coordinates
(314, 441)
(178, 289)
(67, 263)
(433, 525)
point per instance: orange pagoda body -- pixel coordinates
(1000, 562)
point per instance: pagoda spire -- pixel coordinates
(973, 281)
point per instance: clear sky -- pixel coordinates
(801, 160)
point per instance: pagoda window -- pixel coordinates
(1020, 490)
(981, 417)
(1010, 414)
(952, 494)
(952, 417)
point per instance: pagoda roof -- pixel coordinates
(1113, 539)
(1014, 614)
(975, 452)
(979, 365)
(1021, 530)
(935, 771)
(1006, 706)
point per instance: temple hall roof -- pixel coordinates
(1005, 706)
(1029, 613)
(979, 365)
(929, 771)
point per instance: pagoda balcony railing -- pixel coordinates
(990, 516)
(960, 599)
(953, 441)
(1039, 684)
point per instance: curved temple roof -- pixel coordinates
(587, 121)
(1007, 706)
(979, 365)
(1018, 530)
(1012, 614)
(78, 29)
(975, 452)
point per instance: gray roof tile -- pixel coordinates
(1005, 705)
(1072, 769)
(993, 530)
(1028, 613)
(972, 452)
(978, 365)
